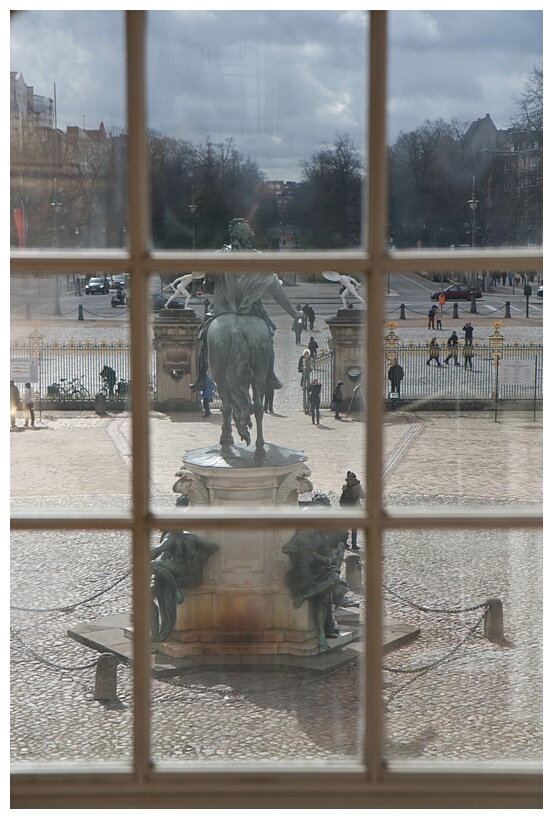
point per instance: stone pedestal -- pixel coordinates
(176, 346)
(347, 329)
(243, 606)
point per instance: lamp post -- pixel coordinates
(473, 204)
(56, 208)
(193, 208)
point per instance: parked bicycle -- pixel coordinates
(73, 389)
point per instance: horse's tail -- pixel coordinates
(239, 375)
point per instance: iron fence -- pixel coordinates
(474, 377)
(70, 372)
(74, 372)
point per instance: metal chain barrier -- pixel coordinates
(435, 663)
(420, 607)
(68, 609)
(41, 659)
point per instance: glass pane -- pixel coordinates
(465, 126)
(67, 122)
(259, 660)
(257, 115)
(463, 383)
(465, 679)
(70, 603)
(69, 342)
(306, 334)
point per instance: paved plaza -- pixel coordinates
(450, 695)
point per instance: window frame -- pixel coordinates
(374, 784)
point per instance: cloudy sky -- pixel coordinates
(280, 83)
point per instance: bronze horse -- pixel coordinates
(240, 352)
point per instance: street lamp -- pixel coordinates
(193, 208)
(56, 207)
(473, 204)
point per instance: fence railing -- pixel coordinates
(474, 378)
(71, 372)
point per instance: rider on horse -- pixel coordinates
(241, 295)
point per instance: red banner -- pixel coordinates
(21, 226)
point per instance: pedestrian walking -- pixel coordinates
(207, 395)
(304, 367)
(452, 345)
(305, 311)
(15, 404)
(314, 392)
(441, 299)
(337, 398)
(504, 278)
(313, 347)
(352, 493)
(468, 330)
(311, 317)
(439, 314)
(297, 328)
(395, 376)
(431, 316)
(28, 405)
(468, 352)
(434, 349)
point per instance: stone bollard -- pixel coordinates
(507, 309)
(402, 311)
(105, 684)
(354, 577)
(100, 404)
(80, 317)
(456, 310)
(493, 621)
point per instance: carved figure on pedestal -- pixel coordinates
(316, 559)
(180, 287)
(348, 288)
(177, 564)
(237, 342)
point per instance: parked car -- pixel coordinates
(159, 301)
(97, 284)
(119, 280)
(539, 291)
(458, 292)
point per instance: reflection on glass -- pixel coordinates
(464, 681)
(231, 405)
(280, 99)
(255, 658)
(463, 386)
(67, 167)
(69, 342)
(465, 161)
(70, 604)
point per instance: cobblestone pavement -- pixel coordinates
(481, 701)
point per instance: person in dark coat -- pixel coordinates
(395, 376)
(312, 346)
(452, 344)
(337, 398)
(311, 317)
(297, 328)
(314, 392)
(305, 311)
(352, 493)
(468, 329)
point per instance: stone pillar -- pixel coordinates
(176, 345)
(243, 607)
(346, 329)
